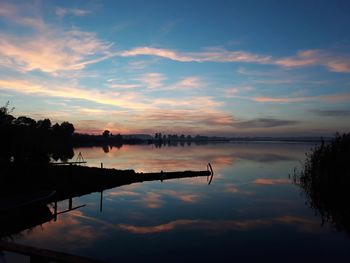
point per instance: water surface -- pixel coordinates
(250, 210)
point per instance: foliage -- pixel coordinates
(24, 140)
(325, 180)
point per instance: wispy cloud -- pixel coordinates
(329, 98)
(302, 223)
(60, 11)
(265, 123)
(332, 113)
(279, 99)
(267, 181)
(232, 92)
(209, 55)
(302, 58)
(332, 61)
(145, 111)
(52, 51)
(189, 82)
(152, 80)
(48, 48)
(124, 86)
(117, 99)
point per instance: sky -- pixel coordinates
(228, 68)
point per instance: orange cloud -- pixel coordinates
(60, 11)
(152, 80)
(302, 223)
(48, 48)
(337, 97)
(265, 181)
(153, 200)
(209, 55)
(128, 100)
(278, 100)
(332, 61)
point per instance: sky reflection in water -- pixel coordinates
(250, 210)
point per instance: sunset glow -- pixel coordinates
(148, 67)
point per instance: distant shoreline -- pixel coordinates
(88, 140)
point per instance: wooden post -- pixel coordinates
(55, 212)
(101, 199)
(70, 203)
(101, 165)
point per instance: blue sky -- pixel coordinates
(195, 67)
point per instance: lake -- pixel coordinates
(250, 211)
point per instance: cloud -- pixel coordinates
(153, 200)
(302, 223)
(332, 61)
(156, 81)
(7, 10)
(152, 80)
(208, 55)
(48, 48)
(233, 91)
(142, 110)
(329, 98)
(279, 99)
(189, 82)
(231, 189)
(181, 195)
(303, 58)
(129, 100)
(200, 117)
(264, 181)
(75, 49)
(60, 11)
(265, 157)
(52, 51)
(265, 123)
(124, 86)
(338, 97)
(332, 113)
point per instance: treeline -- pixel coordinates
(24, 140)
(80, 140)
(167, 138)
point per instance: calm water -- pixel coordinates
(249, 211)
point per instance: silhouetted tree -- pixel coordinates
(5, 115)
(44, 124)
(67, 128)
(25, 121)
(118, 137)
(106, 133)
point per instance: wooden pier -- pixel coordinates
(44, 255)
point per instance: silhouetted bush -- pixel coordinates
(326, 181)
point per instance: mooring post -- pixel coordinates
(101, 201)
(55, 212)
(101, 165)
(70, 203)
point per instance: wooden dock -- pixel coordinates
(44, 255)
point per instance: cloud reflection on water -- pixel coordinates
(301, 223)
(147, 158)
